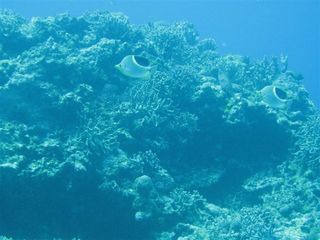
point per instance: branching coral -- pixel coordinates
(309, 139)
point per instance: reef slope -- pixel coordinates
(193, 152)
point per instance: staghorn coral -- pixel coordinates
(309, 141)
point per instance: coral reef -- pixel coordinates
(192, 152)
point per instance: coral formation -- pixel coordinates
(192, 152)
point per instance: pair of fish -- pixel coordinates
(139, 67)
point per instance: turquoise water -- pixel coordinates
(254, 28)
(170, 121)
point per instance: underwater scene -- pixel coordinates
(113, 130)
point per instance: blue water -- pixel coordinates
(254, 28)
